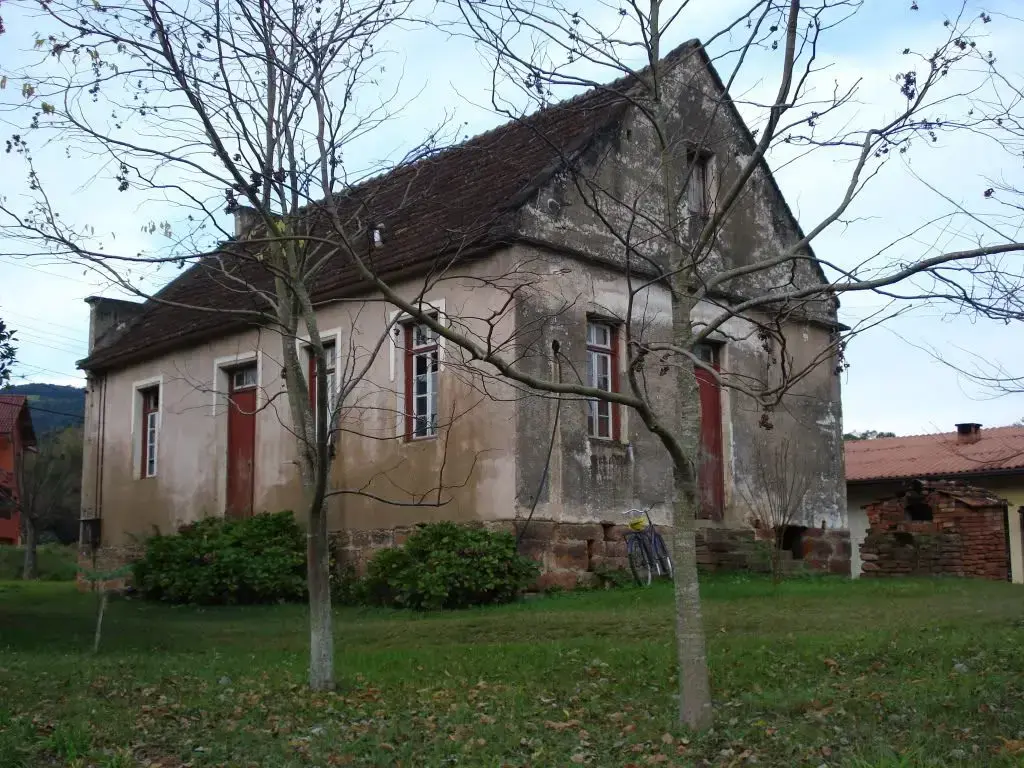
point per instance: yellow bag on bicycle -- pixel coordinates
(638, 523)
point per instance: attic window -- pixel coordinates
(378, 236)
(698, 185)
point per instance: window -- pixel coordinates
(243, 378)
(331, 362)
(698, 187)
(421, 365)
(602, 373)
(150, 430)
(707, 353)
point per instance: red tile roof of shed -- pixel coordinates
(10, 407)
(1000, 449)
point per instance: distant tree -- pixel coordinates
(50, 489)
(867, 434)
(7, 348)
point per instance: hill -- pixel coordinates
(53, 406)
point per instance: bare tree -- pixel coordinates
(774, 492)
(664, 236)
(254, 88)
(49, 483)
(245, 109)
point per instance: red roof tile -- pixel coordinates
(941, 455)
(10, 409)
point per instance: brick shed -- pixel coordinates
(940, 528)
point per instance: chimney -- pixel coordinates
(107, 318)
(245, 219)
(968, 432)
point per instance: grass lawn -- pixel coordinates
(815, 672)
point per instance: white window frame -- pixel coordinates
(397, 320)
(140, 429)
(329, 342)
(430, 352)
(601, 352)
(222, 373)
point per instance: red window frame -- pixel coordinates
(411, 352)
(612, 351)
(150, 405)
(311, 379)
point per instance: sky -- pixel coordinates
(901, 374)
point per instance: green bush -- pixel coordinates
(219, 560)
(444, 565)
(54, 562)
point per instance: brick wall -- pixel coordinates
(965, 537)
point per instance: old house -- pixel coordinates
(184, 418)
(990, 460)
(16, 437)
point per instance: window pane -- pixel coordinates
(705, 353)
(152, 422)
(423, 336)
(604, 375)
(599, 335)
(696, 187)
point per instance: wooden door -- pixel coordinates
(711, 472)
(241, 441)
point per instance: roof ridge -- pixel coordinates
(920, 435)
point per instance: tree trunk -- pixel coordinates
(318, 569)
(28, 527)
(694, 686)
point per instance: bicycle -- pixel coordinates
(645, 549)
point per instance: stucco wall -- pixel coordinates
(474, 466)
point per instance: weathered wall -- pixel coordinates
(623, 167)
(966, 536)
(591, 479)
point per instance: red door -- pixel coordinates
(241, 441)
(711, 476)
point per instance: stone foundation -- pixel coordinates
(574, 554)
(106, 560)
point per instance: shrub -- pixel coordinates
(346, 586)
(225, 561)
(444, 565)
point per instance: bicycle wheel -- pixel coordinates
(663, 557)
(639, 562)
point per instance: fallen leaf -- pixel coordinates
(1013, 746)
(666, 738)
(578, 758)
(561, 726)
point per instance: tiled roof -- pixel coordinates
(10, 409)
(1000, 449)
(456, 201)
